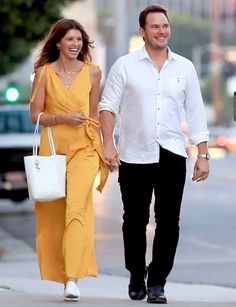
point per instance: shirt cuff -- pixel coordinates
(103, 107)
(199, 138)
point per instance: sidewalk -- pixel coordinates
(20, 285)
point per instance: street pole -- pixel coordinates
(121, 30)
(215, 61)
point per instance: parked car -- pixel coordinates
(16, 140)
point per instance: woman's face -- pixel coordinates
(71, 44)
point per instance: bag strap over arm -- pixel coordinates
(36, 134)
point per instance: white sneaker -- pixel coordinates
(71, 292)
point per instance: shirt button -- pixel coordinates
(158, 94)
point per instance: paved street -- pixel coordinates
(207, 249)
(20, 285)
(206, 253)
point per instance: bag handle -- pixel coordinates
(36, 135)
(50, 140)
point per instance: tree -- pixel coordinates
(187, 33)
(23, 24)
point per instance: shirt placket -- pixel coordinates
(158, 111)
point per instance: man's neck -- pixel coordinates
(158, 56)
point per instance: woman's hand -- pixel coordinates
(73, 118)
(111, 156)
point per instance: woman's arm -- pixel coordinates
(95, 75)
(38, 94)
(38, 103)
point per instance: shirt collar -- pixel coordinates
(142, 53)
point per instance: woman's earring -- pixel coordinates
(58, 47)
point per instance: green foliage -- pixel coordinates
(23, 24)
(226, 113)
(188, 32)
(226, 101)
(206, 84)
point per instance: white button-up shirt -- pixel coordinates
(149, 105)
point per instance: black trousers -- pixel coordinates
(137, 183)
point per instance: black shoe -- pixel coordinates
(137, 286)
(137, 291)
(156, 295)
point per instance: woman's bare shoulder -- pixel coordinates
(38, 70)
(37, 73)
(95, 70)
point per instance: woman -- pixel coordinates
(66, 89)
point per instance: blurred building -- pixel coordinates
(200, 8)
(118, 22)
(80, 10)
(85, 12)
(119, 19)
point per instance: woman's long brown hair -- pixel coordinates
(50, 53)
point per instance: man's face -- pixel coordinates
(157, 31)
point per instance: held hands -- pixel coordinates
(111, 157)
(201, 170)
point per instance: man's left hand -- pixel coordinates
(201, 170)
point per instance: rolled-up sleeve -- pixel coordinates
(113, 89)
(195, 110)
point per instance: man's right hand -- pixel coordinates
(111, 156)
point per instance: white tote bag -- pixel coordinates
(46, 175)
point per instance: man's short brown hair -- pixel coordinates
(151, 9)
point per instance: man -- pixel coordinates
(148, 91)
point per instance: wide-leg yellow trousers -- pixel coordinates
(65, 228)
(78, 239)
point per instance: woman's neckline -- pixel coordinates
(67, 79)
(60, 71)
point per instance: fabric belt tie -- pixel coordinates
(90, 126)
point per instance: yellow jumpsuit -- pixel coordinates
(65, 227)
